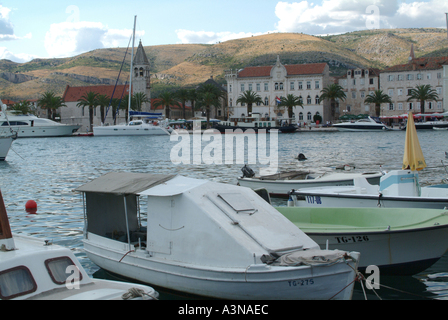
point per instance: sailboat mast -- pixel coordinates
(132, 67)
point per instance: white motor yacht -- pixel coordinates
(367, 124)
(29, 126)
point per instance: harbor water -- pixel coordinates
(47, 170)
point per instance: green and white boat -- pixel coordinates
(400, 241)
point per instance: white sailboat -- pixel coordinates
(209, 239)
(141, 127)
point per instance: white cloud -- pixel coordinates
(339, 16)
(210, 37)
(68, 39)
(6, 27)
(19, 58)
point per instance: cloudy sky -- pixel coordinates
(50, 29)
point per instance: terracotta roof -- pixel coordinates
(294, 69)
(420, 64)
(73, 94)
(8, 102)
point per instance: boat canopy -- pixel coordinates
(124, 183)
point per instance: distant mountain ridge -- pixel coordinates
(180, 65)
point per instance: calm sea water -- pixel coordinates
(47, 170)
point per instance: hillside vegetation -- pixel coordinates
(186, 65)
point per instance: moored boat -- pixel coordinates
(282, 183)
(208, 239)
(397, 189)
(398, 241)
(29, 126)
(367, 124)
(35, 269)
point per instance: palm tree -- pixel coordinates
(378, 97)
(333, 92)
(140, 98)
(250, 97)
(51, 102)
(90, 99)
(183, 96)
(209, 95)
(423, 93)
(290, 102)
(103, 102)
(193, 97)
(166, 99)
(23, 106)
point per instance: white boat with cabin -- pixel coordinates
(145, 126)
(208, 239)
(397, 189)
(140, 127)
(367, 124)
(30, 126)
(280, 184)
(35, 269)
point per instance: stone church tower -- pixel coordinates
(141, 81)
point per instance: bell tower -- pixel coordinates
(141, 81)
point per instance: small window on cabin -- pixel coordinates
(16, 282)
(57, 268)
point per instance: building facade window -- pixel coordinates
(308, 84)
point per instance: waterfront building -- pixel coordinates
(273, 82)
(398, 80)
(358, 84)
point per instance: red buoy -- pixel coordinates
(31, 207)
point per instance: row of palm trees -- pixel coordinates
(335, 92)
(204, 98)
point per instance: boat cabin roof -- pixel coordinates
(124, 183)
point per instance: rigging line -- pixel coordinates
(116, 83)
(119, 102)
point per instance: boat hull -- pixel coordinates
(286, 129)
(338, 200)
(281, 188)
(128, 131)
(359, 128)
(5, 145)
(45, 131)
(258, 281)
(395, 250)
